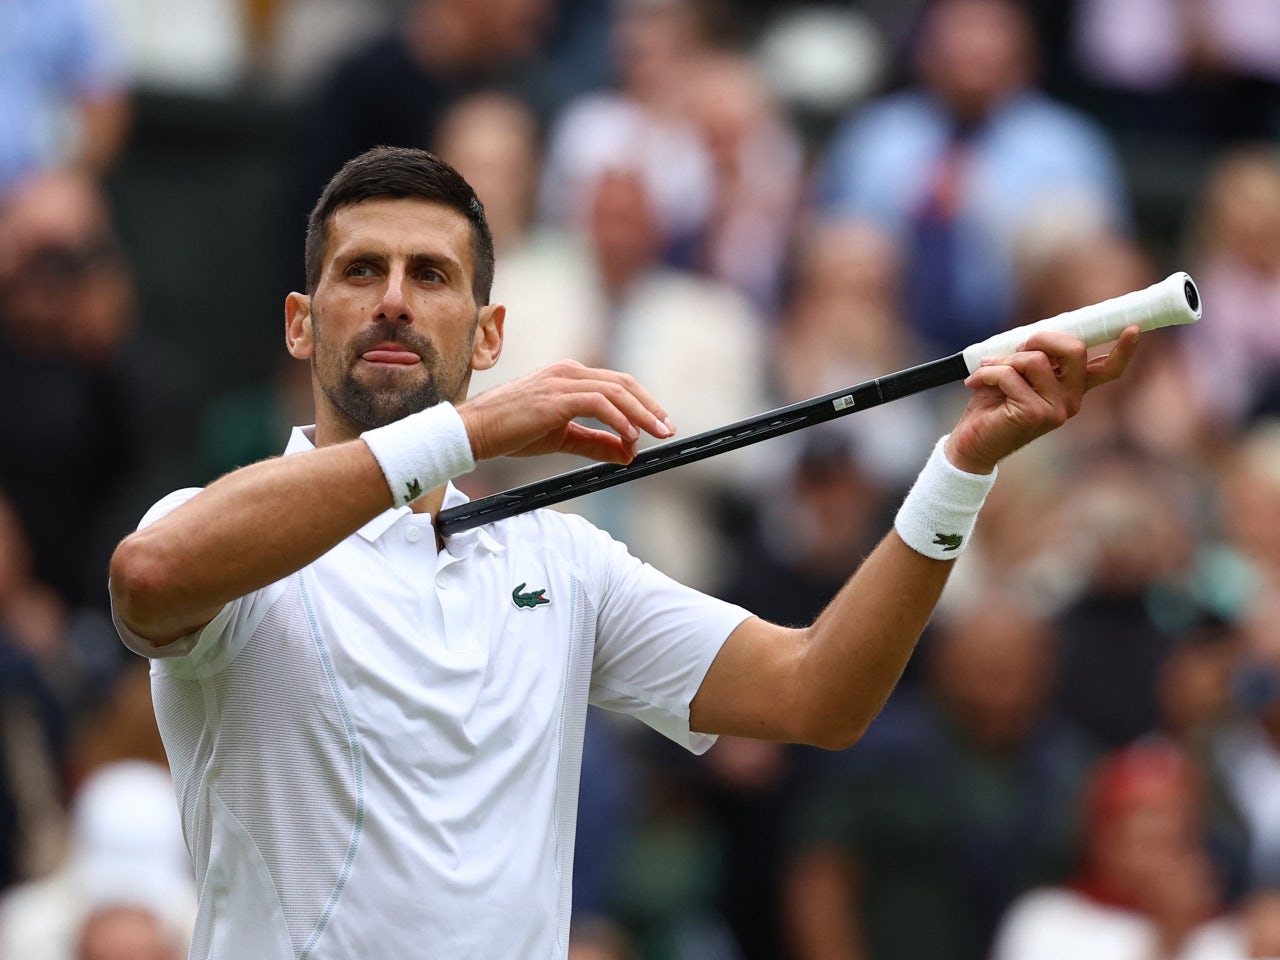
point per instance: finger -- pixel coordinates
(594, 444)
(616, 404)
(1068, 355)
(1112, 365)
(1009, 385)
(1059, 380)
(640, 406)
(1029, 379)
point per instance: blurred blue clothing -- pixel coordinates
(1030, 155)
(53, 54)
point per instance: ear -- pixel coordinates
(487, 346)
(297, 326)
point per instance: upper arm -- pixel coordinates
(752, 688)
(128, 581)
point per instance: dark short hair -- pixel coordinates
(398, 173)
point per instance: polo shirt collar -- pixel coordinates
(302, 439)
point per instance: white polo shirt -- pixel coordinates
(379, 755)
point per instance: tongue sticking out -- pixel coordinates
(405, 357)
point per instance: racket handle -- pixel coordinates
(1173, 300)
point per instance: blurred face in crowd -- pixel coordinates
(974, 53)
(1242, 209)
(992, 670)
(392, 325)
(1143, 833)
(653, 41)
(491, 139)
(64, 283)
(462, 34)
(624, 227)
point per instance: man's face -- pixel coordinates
(393, 318)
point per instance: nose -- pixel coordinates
(394, 305)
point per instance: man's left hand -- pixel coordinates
(1029, 393)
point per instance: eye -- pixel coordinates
(359, 269)
(431, 275)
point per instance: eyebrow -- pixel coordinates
(438, 261)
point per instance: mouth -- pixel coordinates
(392, 354)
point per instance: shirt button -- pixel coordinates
(413, 534)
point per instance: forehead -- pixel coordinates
(400, 227)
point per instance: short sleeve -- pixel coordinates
(213, 646)
(655, 641)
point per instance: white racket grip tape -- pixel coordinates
(1174, 300)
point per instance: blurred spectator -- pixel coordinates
(125, 933)
(1247, 751)
(955, 165)
(1235, 250)
(956, 801)
(1249, 503)
(822, 60)
(1074, 261)
(77, 425)
(395, 90)
(300, 41)
(600, 940)
(841, 323)
(126, 851)
(63, 100)
(694, 342)
(757, 164)
(546, 276)
(1144, 887)
(697, 343)
(1121, 531)
(32, 768)
(818, 518)
(248, 424)
(200, 47)
(1199, 70)
(1194, 685)
(69, 649)
(642, 125)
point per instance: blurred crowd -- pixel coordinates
(745, 204)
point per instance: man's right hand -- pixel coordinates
(538, 414)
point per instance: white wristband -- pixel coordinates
(421, 451)
(940, 510)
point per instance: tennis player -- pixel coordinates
(376, 733)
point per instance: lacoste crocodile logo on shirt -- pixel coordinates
(527, 601)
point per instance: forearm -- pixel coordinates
(246, 530)
(855, 652)
(827, 682)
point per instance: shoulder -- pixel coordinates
(1035, 113)
(571, 539)
(1057, 923)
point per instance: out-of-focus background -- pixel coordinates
(745, 204)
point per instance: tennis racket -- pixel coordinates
(1174, 300)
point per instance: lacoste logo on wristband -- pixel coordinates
(948, 541)
(413, 489)
(527, 601)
